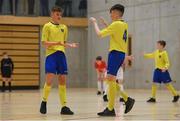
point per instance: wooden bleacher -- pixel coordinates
(21, 42)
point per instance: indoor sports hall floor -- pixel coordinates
(24, 105)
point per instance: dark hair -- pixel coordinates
(4, 53)
(162, 42)
(118, 7)
(56, 9)
(99, 58)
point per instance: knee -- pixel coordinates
(49, 78)
(62, 80)
(48, 82)
(111, 78)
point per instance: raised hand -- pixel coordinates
(93, 20)
(130, 57)
(102, 20)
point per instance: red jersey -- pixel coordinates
(100, 67)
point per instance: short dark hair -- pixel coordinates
(98, 58)
(118, 7)
(162, 42)
(56, 9)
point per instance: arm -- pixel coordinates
(46, 43)
(103, 21)
(149, 55)
(96, 67)
(105, 67)
(110, 30)
(50, 44)
(98, 74)
(96, 27)
(65, 44)
(127, 59)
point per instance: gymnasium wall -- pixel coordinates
(149, 21)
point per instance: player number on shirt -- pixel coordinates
(125, 36)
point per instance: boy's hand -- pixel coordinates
(102, 20)
(60, 43)
(93, 20)
(73, 45)
(130, 57)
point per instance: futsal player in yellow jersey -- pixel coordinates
(118, 32)
(161, 74)
(119, 76)
(54, 36)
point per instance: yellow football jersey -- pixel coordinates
(118, 32)
(161, 59)
(54, 33)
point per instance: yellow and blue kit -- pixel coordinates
(161, 62)
(55, 56)
(118, 32)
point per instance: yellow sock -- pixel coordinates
(124, 95)
(46, 91)
(171, 88)
(153, 91)
(121, 93)
(111, 94)
(62, 95)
